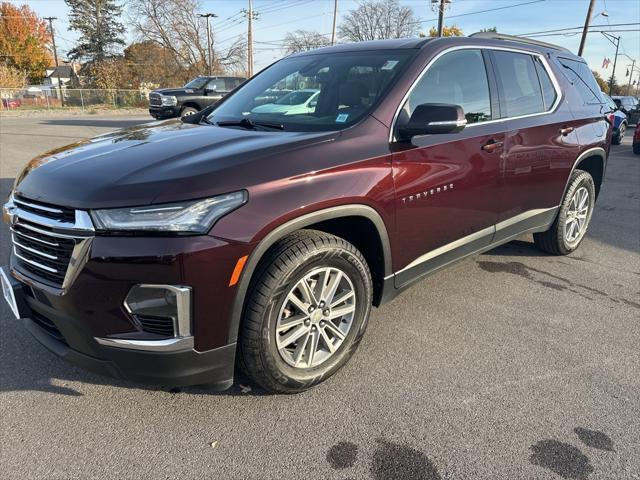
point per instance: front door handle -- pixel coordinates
(566, 131)
(492, 146)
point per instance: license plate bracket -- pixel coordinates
(13, 293)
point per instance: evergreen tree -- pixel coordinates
(99, 26)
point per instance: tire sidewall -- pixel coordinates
(358, 273)
(188, 111)
(580, 179)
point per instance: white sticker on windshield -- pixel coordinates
(389, 65)
(342, 117)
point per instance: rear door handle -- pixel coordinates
(492, 146)
(566, 131)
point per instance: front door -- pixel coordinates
(446, 185)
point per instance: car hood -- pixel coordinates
(175, 91)
(161, 162)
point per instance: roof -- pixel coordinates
(63, 71)
(478, 39)
(393, 44)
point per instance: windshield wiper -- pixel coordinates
(250, 124)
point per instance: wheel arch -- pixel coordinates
(593, 161)
(326, 220)
(191, 104)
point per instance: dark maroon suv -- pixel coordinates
(171, 252)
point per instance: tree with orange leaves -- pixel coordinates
(24, 41)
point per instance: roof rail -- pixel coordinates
(513, 38)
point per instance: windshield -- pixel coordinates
(197, 83)
(345, 87)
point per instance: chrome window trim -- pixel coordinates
(541, 56)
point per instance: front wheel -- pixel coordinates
(306, 313)
(187, 111)
(570, 226)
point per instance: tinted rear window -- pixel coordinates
(549, 93)
(581, 77)
(518, 83)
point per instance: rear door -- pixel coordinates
(446, 185)
(540, 145)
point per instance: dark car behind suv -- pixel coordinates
(196, 95)
(171, 253)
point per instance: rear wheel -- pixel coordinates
(570, 226)
(636, 148)
(306, 313)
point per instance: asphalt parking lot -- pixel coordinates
(508, 365)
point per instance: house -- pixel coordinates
(66, 73)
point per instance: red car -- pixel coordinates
(11, 102)
(636, 140)
(167, 253)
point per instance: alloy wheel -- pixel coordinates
(316, 317)
(577, 215)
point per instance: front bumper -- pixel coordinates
(72, 340)
(164, 112)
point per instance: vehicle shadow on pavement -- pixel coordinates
(390, 461)
(95, 122)
(566, 460)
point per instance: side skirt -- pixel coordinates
(532, 221)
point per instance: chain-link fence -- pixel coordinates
(68, 98)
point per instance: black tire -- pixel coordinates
(619, 136)
(636, 148)
(554, 240)
(188, 111)
(282, 268)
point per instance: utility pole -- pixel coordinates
(335, 18)
(209, 48)
(251, 16)
(633, 65)
(585, 30)
(616, 42)
(440, 6)
(55, 56)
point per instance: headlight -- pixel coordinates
(185, 217)
(169, 101)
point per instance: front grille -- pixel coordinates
(48, 326)
(41, 254)
(155, 100)
(159, 325)
(62, 214)
(47, 240)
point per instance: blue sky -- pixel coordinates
(526, 16)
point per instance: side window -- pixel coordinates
(217, 84)
(520, 92)
(581, 77)
(549, 93)
(458, 78)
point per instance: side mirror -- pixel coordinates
(433, 118)
(313, 103)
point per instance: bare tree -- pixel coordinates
(377, 20)
(303, 40)
(174, 25)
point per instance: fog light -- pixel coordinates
(161, 309)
